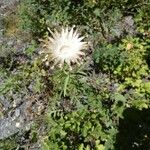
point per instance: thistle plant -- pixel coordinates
(64, 47)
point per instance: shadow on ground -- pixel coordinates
(134, 130)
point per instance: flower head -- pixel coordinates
(64, 47)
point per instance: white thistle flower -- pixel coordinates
(64, 47)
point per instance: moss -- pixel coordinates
(11, 25)
(8, 144)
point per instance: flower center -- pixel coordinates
(65, 50)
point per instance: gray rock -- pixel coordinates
(17, 112)
(20, 109)
(10, 126)
(14, 121)
(7, 6)
(129, 25)
(21, 113)
(5, 103)
(123, 26)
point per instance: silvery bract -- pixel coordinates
(64, 47)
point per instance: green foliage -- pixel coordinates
(84, 111)
(81, 119)
(27, 73)
(132, 71)
(85, 106)
(30, 50)
(8, 144)
(108, 57)
(11, 83)
(142, 18)
(95, 17)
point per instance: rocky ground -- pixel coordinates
(18, 110)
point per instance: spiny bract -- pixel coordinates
(64, 47)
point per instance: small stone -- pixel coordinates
(17, 124)
(17, 112)
(14, 104)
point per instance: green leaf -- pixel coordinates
(87, 147)
(63, 133)
(97, 12)
(65, 85)
(118, 97)
(140, 104)
(45, 146)
(81, 147)
(100, 147)
(147, 87)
